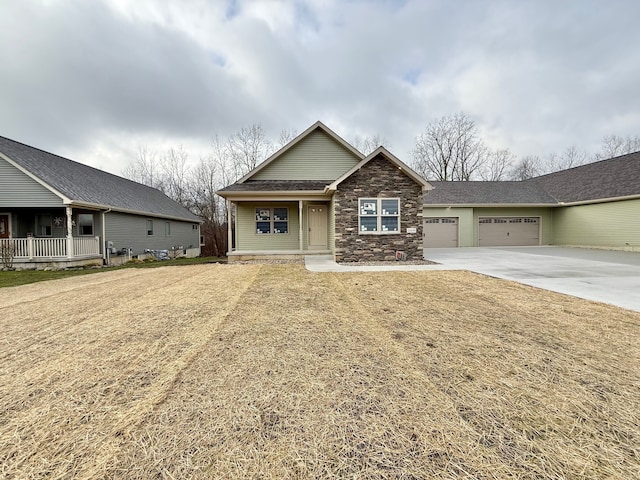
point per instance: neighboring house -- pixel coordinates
(319, 195)
(594, 205)
(54, 211)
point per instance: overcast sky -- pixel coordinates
(93, 80)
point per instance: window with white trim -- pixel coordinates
(167, 229)
(149, 227)
(272, 220)
(379, 215)
(85, 224)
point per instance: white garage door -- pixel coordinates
(508, 231)
(440, 232)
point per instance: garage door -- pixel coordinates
(508, 231)
(440, 232)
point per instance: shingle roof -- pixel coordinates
(611, 178)
(277, 186)
(83, 184)
(456, 193)
(615, 177)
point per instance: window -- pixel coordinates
(85, 224)
(167, 229)
(43, 226)
(272, 220)
(379, 215)
(149, 227)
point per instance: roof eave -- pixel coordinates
(599, 200)
(486, 205)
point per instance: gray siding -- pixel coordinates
(19, 190)
(612, 224)
(130, 231)
(317, 157)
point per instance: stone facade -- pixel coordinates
(379, 178)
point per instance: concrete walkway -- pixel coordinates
(605, 276)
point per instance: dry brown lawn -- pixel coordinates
(270, 371)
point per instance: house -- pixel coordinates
(54, 211)
(593, 205)
(319, 195)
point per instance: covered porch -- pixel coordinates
(50, 237)
(284, 229)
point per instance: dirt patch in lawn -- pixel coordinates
(270, 371)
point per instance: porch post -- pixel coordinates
(69, 232)
(229, 235)
(301, 230)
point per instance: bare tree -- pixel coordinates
(527, 167)
(145, 168)
(571, 157)
(615, 145)
(366, 145)
(449, 149)
(248, 147)
(497, 165)
(175, 173)
(285, 137)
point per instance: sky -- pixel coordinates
(95, 80)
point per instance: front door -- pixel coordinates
(317, 218)
(4, 226)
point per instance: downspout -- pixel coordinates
(105, 255)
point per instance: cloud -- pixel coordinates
(93, 80)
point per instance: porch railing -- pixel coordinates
(34, 248)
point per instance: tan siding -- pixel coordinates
(20, 190)
(248, 240)
(613, 224)
(317, 157)
(545, 214)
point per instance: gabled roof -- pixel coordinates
(391, 158)
(80, 184)
(316, 126)
(487, 193)
(613, 178)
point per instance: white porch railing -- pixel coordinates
(34, 248)
(86, 246)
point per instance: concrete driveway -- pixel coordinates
(604, 276)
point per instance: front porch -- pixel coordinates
(279, 230)
(34, 252)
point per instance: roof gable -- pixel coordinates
(316, 154)
(84, 185)
(391, 158)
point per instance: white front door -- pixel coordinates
(317, 219)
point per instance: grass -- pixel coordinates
(270, 371)
(23, 277)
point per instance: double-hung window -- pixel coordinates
(272, 220)
(379, 215)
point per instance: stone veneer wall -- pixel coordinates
(379, 178)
